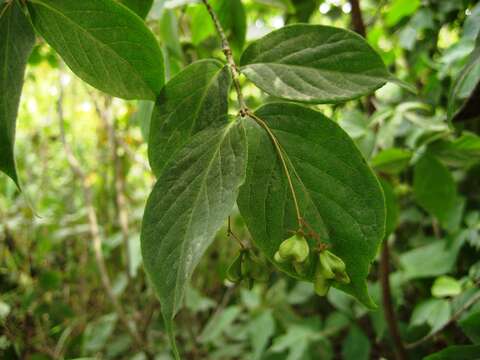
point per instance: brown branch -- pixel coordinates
(473, 300)
(359, 27)
(94, 226)
(390, 317)
(357, 18)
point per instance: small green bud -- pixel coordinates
(294, 249)
(234, 271)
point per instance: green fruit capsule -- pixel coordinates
(332, 267)
(321, 284)
(294, 249)
(278, 258)
(234, 272)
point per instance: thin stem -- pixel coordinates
(390, 317)
(227, 50)
(279, 150)
(244, 111)
(232, 234)
(473, 300)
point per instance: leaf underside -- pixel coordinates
(16, 43)
(339, 195)
(314, 64)
(103, 43)
(193, 100)
(189, 203)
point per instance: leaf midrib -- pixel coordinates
(195, 204)
(303, 67)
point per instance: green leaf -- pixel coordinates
(17, 40)
(260, 330)
(194, 99)
(446, 286)
(391, 161)
(231, 15)
(391, 204)
(463, 151)
(314, 64)
(464, 84)
(437, 258)
(97, 333)
(399, 9)
(139, 7)
(356, 345)
(218, 324)
(457, 352)
(470, 325)
(338, 194)
(434, 188)
(434, 312)
(188, 204)
(104, 43)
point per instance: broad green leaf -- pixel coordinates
(104, 43)
(465, 83)
(16, 43)
(339, 195)
(456, 352)
(446, 286)
(463, 151)
(391, 161)
(356, 345)
(434, 188)
(189, 203)
(139, 7)
(470, 325)
(193, 100)
(314, 64)
(437, 258)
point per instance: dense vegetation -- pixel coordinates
(313, 192)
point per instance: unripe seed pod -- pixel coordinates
(234, 272)
(321, 284)
(294, 249)
(332, 267)
(278, 258)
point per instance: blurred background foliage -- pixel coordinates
(53, 304)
